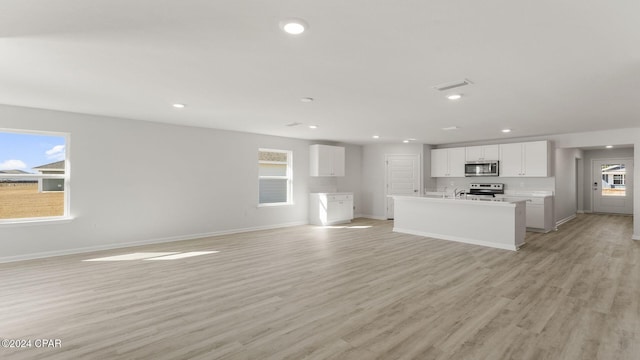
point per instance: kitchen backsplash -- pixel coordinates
(323, 184)
(510, 184)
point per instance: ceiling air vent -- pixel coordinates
(452, 85)
(293, 124)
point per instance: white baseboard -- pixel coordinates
(458, 239)
(562, 221)
(374, 217)
(635, 237)
(48, 254)
(580, 211)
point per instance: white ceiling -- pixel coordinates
(538, 67)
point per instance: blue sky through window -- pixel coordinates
(26, 151)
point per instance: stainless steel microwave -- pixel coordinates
(481, 168)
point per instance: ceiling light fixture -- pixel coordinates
(450, 128)
(179, 106)
(454, 96)
(609, 146)
(313, 126)
(293, 26)
(506, 130)
(376, 136)
(405, 141)
(306, 99)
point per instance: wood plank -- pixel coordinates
(358, 291)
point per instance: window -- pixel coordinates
(34, 173)
(613, 179)
(618, 179)
(274, 177)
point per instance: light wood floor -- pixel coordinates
(338, 293)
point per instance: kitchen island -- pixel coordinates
(498, 223)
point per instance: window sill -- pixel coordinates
(275, 204)
(36, 221)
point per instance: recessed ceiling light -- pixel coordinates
(313, 126)
(405, 141)
(450, 128)
(293, 26)
(506, 130)
(376, 136)
(454, 96)
(178, 106)
(306, 99)
(609, 146)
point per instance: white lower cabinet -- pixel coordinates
(330, 208)
(539, 212)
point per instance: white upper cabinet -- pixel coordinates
(524, 159)
(447, 162)
(481, 153)
(326, 160)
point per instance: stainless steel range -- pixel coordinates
(485, 190)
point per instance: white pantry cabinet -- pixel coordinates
(330, 208)
(483, 152)
(447, 162)
(524, 159)
(326, 160)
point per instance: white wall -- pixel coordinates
(135, 181)
(373, 175)
(428, 181)
(589, 156)
(566, 183)
(352, 180)
(636, 193)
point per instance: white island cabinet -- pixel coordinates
(496, 223)
(330, 208)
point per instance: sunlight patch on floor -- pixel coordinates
(183, 255)
(153, 256)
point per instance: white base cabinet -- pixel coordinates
(539, 212)
(330, 208)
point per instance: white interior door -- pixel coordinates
(403, 173)
(612, 185)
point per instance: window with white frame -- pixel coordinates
(34, 175)
(618, 179)
(274, 177)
